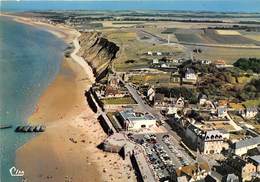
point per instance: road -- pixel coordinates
(175, 139)
(141, 103)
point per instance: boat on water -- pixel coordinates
(5, 126)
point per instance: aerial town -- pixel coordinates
(178, 98)
(178, 117)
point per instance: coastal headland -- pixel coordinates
(67, 151)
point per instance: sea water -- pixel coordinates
(29, 60)
(178, 5)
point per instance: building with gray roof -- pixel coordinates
(241, 147)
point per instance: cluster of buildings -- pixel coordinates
(229, 150)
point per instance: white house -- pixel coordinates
(205, 62)
(180, 102)
(159, 53)
(133, 121)
(249, 112)
(150, 53)
(150, 94)
(155, 61)
(202, 99)
(190, 74)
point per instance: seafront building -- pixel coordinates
(134, 121)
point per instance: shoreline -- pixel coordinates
(68, 149)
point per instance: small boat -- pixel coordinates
(5, 126)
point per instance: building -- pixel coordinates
(190, 75)
(217, 177)
(256, 161)
(220, 63)
(208, 142)
(211, 142)
(240, 167)
(241, 147)
(202, 99)
(193, 172)
(205, 62)
(155, 61)
(150, 94)
(222, 111)
(180, 102)
(158, 99)
(113, 80)
(249, 112)
(134, 121)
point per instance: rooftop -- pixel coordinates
(192, 169)
(190, 71)
(130, 115)
(256, 158)
(246, 142)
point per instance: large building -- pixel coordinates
(241, 147)
(134, 121)
(256, 161)
(190, 75)
(208, 141)
(240, 167)
(211, 142)
(193, 172)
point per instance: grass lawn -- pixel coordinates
(151, 78)
(120, 100)
(252, 103)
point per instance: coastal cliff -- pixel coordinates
(98, 51)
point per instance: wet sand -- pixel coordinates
(68, 151)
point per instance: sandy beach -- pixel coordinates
(68, 151)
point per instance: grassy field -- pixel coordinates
(227, 32)
(253, 36)
(227, 38)
(252, 103)
(230, 55)
(120, 100)
(131, 48)
(193, 38)
(163, 79)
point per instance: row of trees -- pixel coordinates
(248, 64)
(187, 93)
(251, 90)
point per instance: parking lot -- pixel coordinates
(163, 153)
